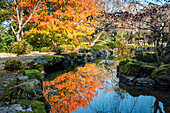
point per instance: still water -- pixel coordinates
(94, 88)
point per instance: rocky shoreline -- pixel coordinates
(144, 75)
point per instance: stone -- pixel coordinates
(32, 83)
(14, 109)
(21, 79)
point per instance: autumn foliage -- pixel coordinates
(67, 19)
(71, 90)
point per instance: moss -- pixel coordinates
(37, 65)
(124, 61)
(163, 68)
(25, 102)
(37, 105)
(30, 90)
(12, 65)
(49, 58)
(58, 57)
(132, 69)
(32, 74)
(147, 69)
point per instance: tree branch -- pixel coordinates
(30, 16)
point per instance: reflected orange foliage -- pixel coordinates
(71, 90)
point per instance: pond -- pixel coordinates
(94, 88)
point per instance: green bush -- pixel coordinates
(57, 49)
(21, 47)
(5, 41)
(45, 49)
(12, 65)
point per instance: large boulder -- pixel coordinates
(130, 69)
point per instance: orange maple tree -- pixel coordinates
(68, 19)
(71, 90)
(64, 18)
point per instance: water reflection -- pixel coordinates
(71, 90)
(79, 92)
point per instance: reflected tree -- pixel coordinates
(71, 90)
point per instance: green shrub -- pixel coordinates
(12, 65)
(45, 49)
(57, 49)
(5, 41)
(32, 74)
(21, 47)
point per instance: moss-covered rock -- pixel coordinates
(33, 74)
(38, 107)
(49, 60)
(36, 65)
(146, 70)
(162, 76)
(12, 65)
(130, 69)
(30, 90)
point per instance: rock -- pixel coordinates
(108, 62)
(49, 60)
(32, 83)
(21, 79)
(14, 109)
(130, 69)
(144, 81)
(146, 70)
(129, 80)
